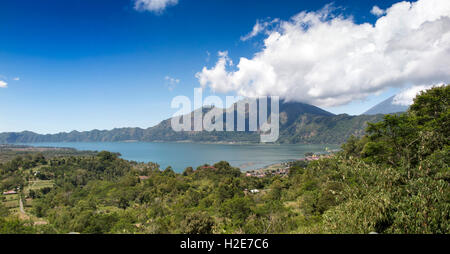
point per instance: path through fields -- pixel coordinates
(21, 206)
(23, 215)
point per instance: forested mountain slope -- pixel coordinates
(299, 123)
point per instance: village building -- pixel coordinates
(10, 192)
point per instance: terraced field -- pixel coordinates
(11, 201)
(37, 185)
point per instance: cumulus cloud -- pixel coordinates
(328, 60)
(377, 11)
(171, 83)
(3, 84)
(16, 79)
(406, 96)
(156, 6)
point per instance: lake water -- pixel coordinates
(182, 155)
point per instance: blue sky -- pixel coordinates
(101, 64)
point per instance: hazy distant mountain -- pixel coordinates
(299, 123)
(386, 107)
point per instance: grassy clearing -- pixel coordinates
(14, 210)
(28, 202)
(11, 204)
(11, 197)
(293, 206)
(108, 209)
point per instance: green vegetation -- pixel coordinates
(9, 152)
(394, 179)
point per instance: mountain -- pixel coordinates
(386, 107)
(325, 129)
(299, 123)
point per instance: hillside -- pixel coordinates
(299, 123)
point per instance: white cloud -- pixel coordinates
(377, 11)
(171, 83)
(258, 28)
(328, 60)
(406, 96)
(3, 84)
(153, 5)
(16, 79)
(208, 56)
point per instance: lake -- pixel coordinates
(182, 155)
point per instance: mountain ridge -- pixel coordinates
(386, 107)
(299, 123)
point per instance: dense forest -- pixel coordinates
(299, 123)
(394, 179)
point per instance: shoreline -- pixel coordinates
(285, 164)
(253, 164)
(171, 142)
